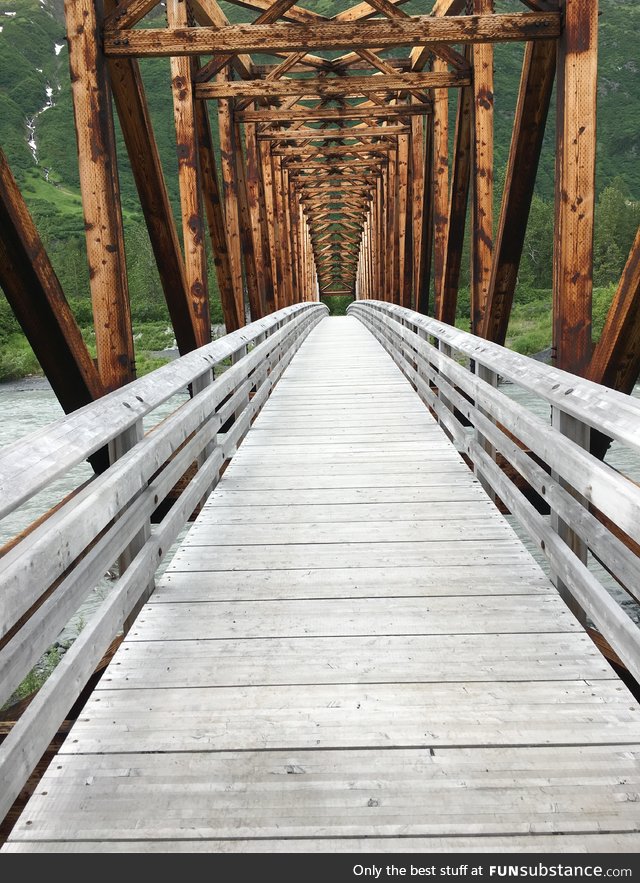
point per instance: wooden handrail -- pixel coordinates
(429, 353)
(48, 573)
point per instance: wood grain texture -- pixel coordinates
(100, 190)
(38, 301)
(418, 31)
(534, 97)
(309, 669)
(575, 185)
(182, 70)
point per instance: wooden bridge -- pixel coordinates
(350, 648)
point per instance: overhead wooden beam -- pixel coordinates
(292, 13)
(481, 173)
(362, 11)
(379, 149)
(209, 13)
(349, 132)
(330, 87)
(129, 12)
(536, 87)
(616, 357)
(460, 176)
(100, 192)
(382, 34)
(575, 184)
(322, 114)
(189, 181)
(37, 299)
(272, 13)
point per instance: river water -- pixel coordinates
(29, 405)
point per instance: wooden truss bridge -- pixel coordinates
(350, 648)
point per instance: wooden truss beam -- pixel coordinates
(335, 87)
(383, 34)
(536, 86)
(616, 358)
(37, 299)
(325, 114)
(575, 184)
(100, 190)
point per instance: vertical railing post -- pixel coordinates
(580, 434)
(490, 377)
(446, 351)
(117, 449)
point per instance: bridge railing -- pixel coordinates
(49, 570)
(593, 507)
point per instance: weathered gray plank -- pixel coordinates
(560, 843)
(355, 582)
(360, 793)
(406, 616)
(387, 659)
(348, 586)
(355, 716)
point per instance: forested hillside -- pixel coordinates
(36, 132)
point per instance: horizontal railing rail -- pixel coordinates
(593, 507)
(48, 572)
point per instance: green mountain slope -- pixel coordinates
(34, 59)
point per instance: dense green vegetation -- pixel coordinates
(29, 64)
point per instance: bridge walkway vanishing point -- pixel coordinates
(351, 650)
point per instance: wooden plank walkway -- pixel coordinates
(350, 651)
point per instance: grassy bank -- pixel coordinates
(17, 359)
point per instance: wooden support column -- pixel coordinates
(616, 357)
(283, 241)
(271, 221)
(575, 184)
(292, 216)
(37, 299)
(256, 210)
(440, 185)
(182, 71)
(426, 243)
(381, 244)
(404, 229)
(231, 207)
(255, 288)
(392, 228)
(461, 165)
(536, 86)
(215, 219)
(417, 177)
(100, 191)
(482, 173)
(137, 130)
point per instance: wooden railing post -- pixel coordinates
(491, 378)
(117, 448)
(579, 433)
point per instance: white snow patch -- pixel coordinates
(1, 29)
(11, 14)
(58, 48)
(39, 69)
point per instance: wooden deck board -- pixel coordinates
(350, 651)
